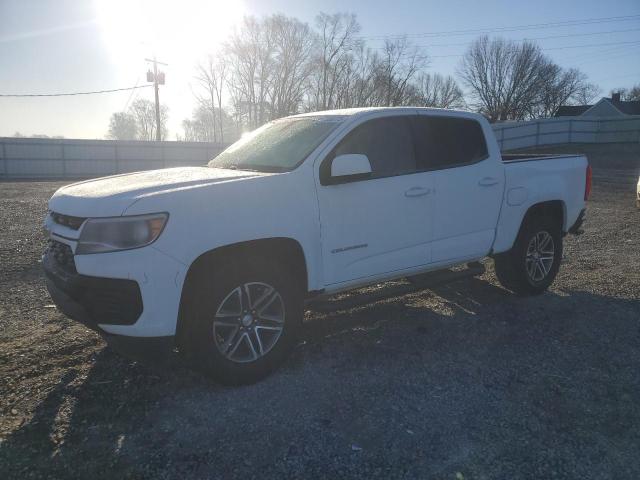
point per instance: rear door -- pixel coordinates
(374, 226)
(468, 182)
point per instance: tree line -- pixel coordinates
(276, 66)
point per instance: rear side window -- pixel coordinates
(444, 142)
(387, 142)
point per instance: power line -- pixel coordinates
(608, 79)
(533, 26)
(603, 52)
(609, 56)
(607, 53)
(634, 42)
(133, 91)
(524, 39)
(71, 94)
(588, 34)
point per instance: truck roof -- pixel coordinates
(351, 112)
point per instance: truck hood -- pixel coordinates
(111, 196)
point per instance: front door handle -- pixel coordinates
(488, 182)
(417, 192)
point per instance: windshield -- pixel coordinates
(278, 146)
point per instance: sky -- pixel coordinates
(59, 46)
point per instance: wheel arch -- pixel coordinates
(511, 265)
(556, 209)
(285, 249)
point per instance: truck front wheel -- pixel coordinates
(530, 267)
(244, 319)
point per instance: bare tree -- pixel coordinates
(559, 87)
(251, 51)
(627, 94)
(293, 45)
(122, 126)
(362, 89)
(144, 112)
(586, 94)
(504, 77)
(211, 75)
(270, 61)
(336, 38)
(435, 90)
(634, 94)
(399, 62)
(511, 81)
(201, 127)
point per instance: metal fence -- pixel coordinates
(53, 158)
(561, 130)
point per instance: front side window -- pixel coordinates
(278, 146)
(386, 142)
(445, 142)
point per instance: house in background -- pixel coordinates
(606, 107)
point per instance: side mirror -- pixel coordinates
(350, 166)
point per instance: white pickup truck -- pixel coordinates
(219, 260)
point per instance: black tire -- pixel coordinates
(513, 268)
(211, 288)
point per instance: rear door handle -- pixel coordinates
(417, 192)
(488, 182)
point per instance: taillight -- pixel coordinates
(587, 184)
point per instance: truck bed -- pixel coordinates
(531, 180)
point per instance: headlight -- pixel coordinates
(101, 235)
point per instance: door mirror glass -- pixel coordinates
(350, 165)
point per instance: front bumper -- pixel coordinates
(93, 301)
(132, 293)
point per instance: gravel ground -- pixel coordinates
(464, 381)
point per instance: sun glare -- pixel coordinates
(178, 32)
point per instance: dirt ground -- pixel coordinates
(465, 381)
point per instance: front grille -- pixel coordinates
(67, 220)
(62, 255)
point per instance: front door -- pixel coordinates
(375, 226)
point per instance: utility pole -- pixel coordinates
(158, 79)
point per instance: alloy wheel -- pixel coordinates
(249, 322)
(540, 256)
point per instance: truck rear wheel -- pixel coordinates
(530, 267)
(244, 319)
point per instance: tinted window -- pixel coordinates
(386, 142)
(443, 142)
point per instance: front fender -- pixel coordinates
(273, 206)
